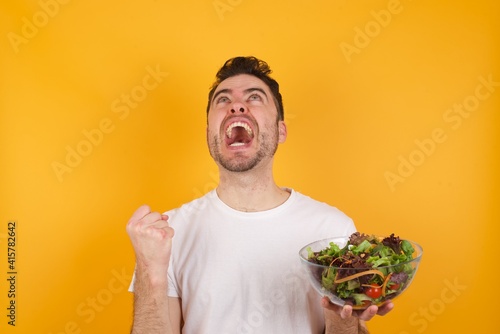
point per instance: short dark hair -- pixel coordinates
(252, 66)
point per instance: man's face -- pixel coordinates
(243, 127)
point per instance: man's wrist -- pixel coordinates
(334, 324)
(153, 276)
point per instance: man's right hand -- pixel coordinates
(151, 238)
(152, 241)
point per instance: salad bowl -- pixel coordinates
(360, 269)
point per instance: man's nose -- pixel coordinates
(237, 106)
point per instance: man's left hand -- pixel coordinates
(346, 311)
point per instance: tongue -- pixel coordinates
(239, 135)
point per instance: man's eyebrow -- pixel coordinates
(249, 90)
(246, 91)
(225, 90)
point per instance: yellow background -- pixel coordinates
(356, 105)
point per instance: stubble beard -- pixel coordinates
(239, 163)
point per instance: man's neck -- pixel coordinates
(250, 191)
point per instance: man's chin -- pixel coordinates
(238, 164)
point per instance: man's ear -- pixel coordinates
(282, 133)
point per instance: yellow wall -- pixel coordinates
(390, 115)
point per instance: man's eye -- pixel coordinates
(255, 97)
(222, 99)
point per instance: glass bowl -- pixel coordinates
(366, 270)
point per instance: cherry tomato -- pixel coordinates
(393, 286)
(374, 291)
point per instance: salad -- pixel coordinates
(367, 270)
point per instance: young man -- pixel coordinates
(232, 266)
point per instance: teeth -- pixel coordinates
(237, 144)
(235, 124)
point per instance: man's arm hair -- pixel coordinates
(334, 324)
(154, 311)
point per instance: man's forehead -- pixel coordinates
(242, 82)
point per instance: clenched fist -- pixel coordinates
(151, 238)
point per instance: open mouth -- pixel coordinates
(238, 134)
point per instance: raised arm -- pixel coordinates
(154, 311)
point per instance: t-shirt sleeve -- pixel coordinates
(350, 227)
(131, 286)
(172, 285)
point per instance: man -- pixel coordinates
(232, 266)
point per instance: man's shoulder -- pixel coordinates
(194, 206)
(309, 206)
(313, 202)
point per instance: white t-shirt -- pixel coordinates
(239, 272)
